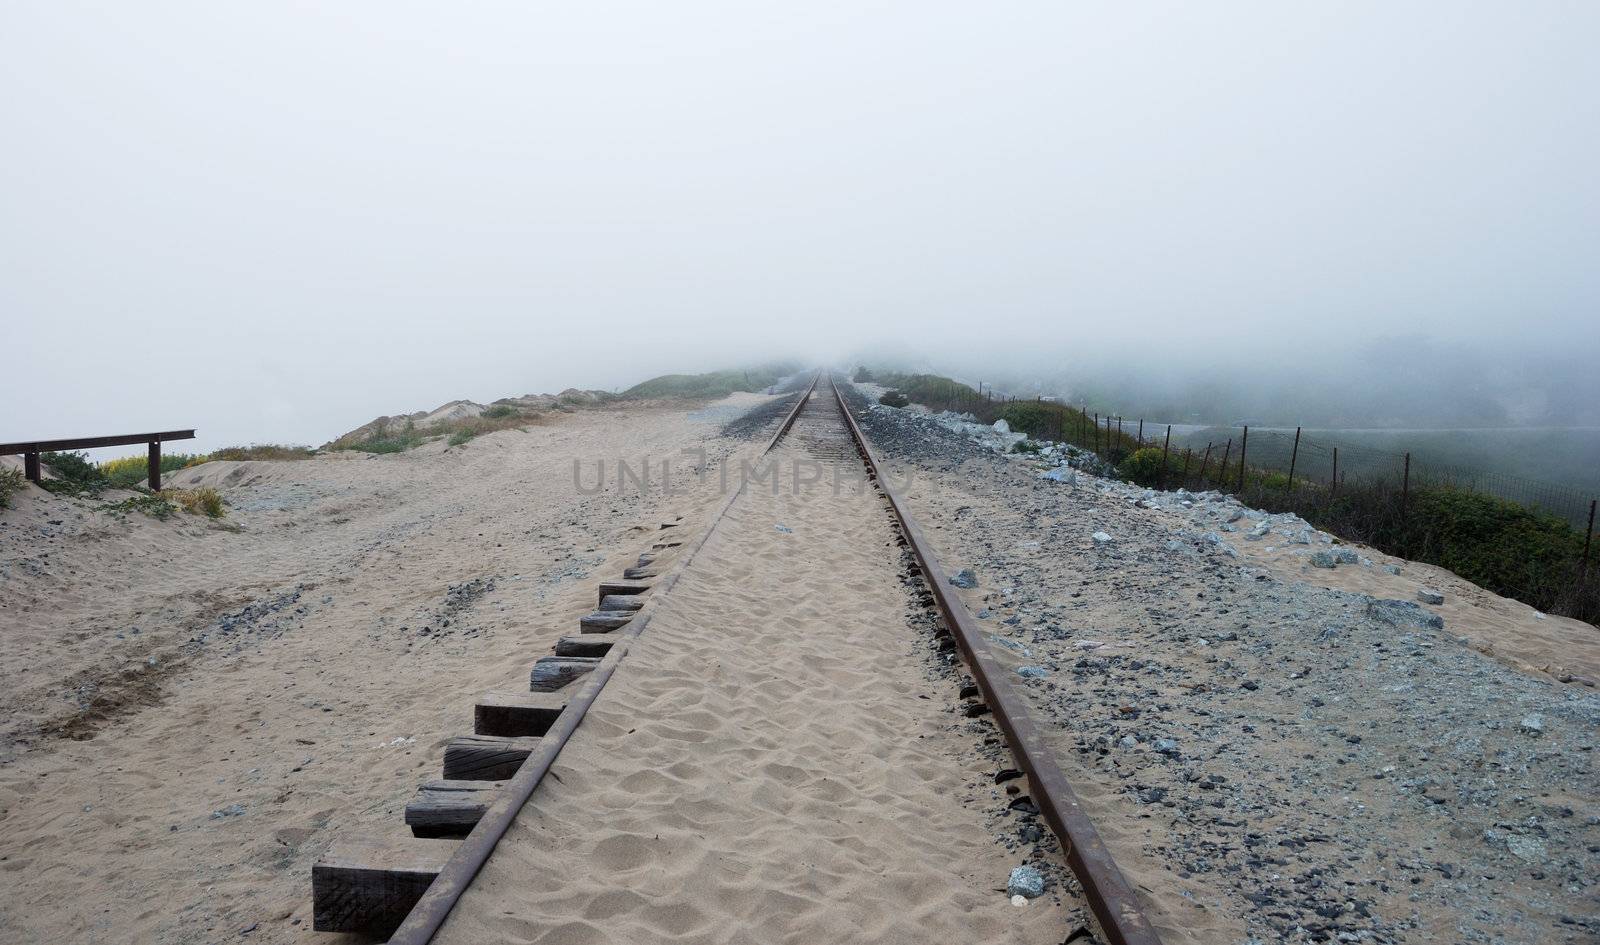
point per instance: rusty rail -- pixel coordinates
(30, 449)
(429, 914)
(1111, 899)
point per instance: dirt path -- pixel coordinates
(777, 760)
(192, 713)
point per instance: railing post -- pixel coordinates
(30, 466)
(155, 464)
(1222, 469)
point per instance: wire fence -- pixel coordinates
(1521, 537)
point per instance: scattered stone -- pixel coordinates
(1000, 426)
(1323, 559)
(1391, 569)
(1403, 613)
(1429, 596)
(785, 529)
(1032, 672)
(965, 578)
(1101, 538)
(1533, 725)
(1025, 881)
(232, 810)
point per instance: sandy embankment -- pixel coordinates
(772, 763)
(343, 621)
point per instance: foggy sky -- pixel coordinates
(276, 221)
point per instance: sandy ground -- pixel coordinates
(192, 710)
(774, 762)
(1267, 760)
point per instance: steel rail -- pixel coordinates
(1111, 899)
(430, 912)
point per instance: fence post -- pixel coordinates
(1222, 470)
(1405, 488)
(1186, 452)
(1588, 538)
(1164, 447)
(1141, 432)
(1243, 445)
(155, 464)
(1204, 462)
(1097, 434)
(30, 466)
(1333, 486)
(1294, 455)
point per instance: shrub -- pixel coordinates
(75, 475)
(894, 398)
(12, 481)
(203, 501)
(1032, 418)
(1025, 446)
(384, 440)
(1142, 466)
(460, 437)
(261, 451)
(500, 412)
(862, 376)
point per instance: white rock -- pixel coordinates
(1429, 596)
(1001, 426)
(1100, 538)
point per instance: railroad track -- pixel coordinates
(492, 774)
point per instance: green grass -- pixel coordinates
(710, 385)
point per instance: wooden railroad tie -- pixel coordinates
(516, 714)
(449, 808)
(368, 886)
(604, 621)
(585, 644)
(625, 588)
(628, 602)
(486, 757)
(553, 672)
(641, 573)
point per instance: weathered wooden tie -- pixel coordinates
(609, 588)
(449, 808)
(603, 621)
(368, 886)
(486, 757)
(553, 672)
(585, 644)
(658, 546)
(640, 573)
(628, 602)
(516, 714)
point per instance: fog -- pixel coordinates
(274, 222)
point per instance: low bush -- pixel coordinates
(894, 398)
(12, 481)
(862, 376)
(75, 474)
(1035, 419)
(500, 412)
(1142, 466)
(203, 501)
(262, 451)
(383, 439)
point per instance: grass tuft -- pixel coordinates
(12, 481)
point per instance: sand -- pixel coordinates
(346, 612)
(772, 763)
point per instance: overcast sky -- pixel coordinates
(275, 221)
